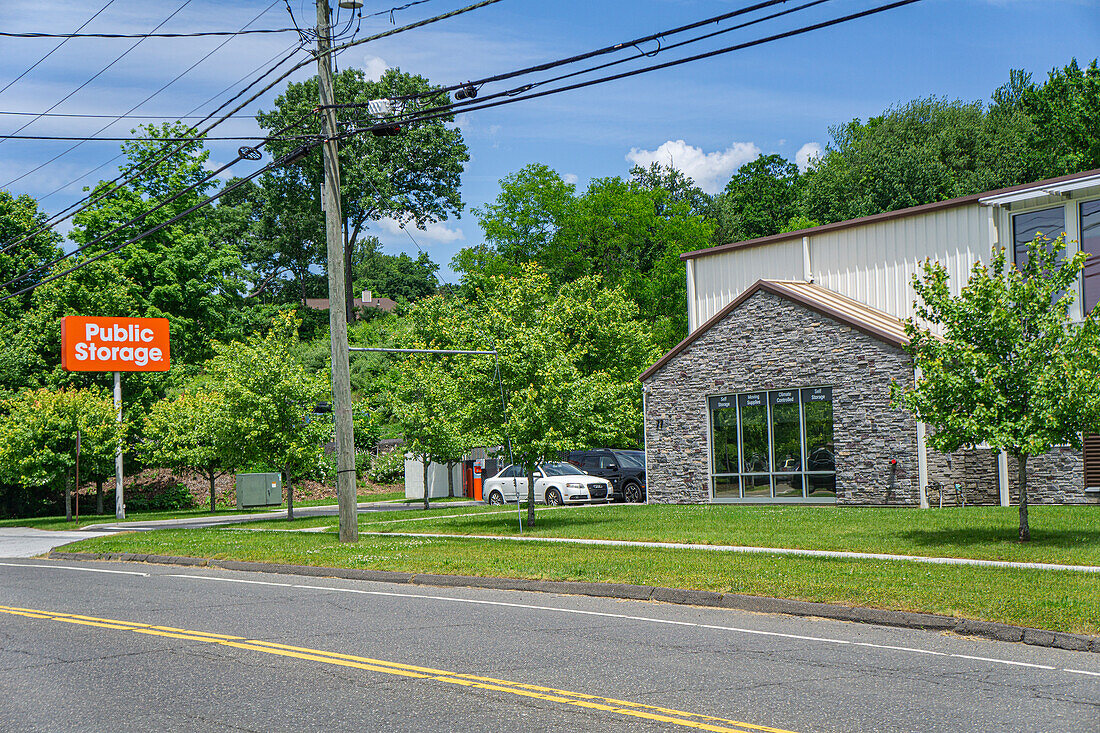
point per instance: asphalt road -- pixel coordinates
(257, 652)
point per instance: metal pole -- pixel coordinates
(78, 474)
(120, 504)
(337, 315)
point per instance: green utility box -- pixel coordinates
(259, 489)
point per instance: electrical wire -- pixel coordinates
(143, 36)
(186, 71)
(100, 72)
(81, 116)
(84, 263)
(134, 171)
(55, 48)
(83, 139)
(532, 85)
(161, 204)
(448, 111)
(289, 50)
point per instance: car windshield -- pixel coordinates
(630, 459)
(560, 469)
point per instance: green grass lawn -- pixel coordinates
(86, 519)
(1064, 535)
(1056, 600)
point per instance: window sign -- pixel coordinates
(773, 445)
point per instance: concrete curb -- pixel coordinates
(682, 596)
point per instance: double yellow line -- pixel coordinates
(549, 694)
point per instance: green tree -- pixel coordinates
(265, 402)
(19, 216)
(1065, 112)
(1010, 370)
(399, 277)
(412, 176)
(569, 359)
(38, 434)
(188, 431)
(758, 200)
(177, 272)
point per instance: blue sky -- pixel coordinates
(707, 117)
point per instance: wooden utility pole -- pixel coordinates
(337, 314)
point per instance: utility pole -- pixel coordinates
(337, 315)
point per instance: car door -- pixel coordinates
(512, 482)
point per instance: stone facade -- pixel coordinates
(771, 342)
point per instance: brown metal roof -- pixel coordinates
(875, 218)
(864, 318)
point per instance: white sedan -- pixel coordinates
(555, 484)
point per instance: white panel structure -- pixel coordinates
(721, 277)
(875, 263)
(437, 479)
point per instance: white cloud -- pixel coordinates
(435, 231)
(806, 154)
(374, 67)
(570, 178)
(708, 170)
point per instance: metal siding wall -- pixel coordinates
(874, 264)
(722, 277)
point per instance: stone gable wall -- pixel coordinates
(770, 342)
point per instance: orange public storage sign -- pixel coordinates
(114, 344)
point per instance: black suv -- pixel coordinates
(625, 469)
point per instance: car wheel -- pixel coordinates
(495, 499)
(633, 493)
(553, 498)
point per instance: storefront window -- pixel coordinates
(784, 439)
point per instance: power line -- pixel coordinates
(140, 217)
(449, 110)
(85, 139)
(293, 155)
(299, 65)
(49, 53)
(143, 36)
(289, 51)
(77, 115)
(151, 96)
(64, 273)
(98, 73)
(134, 171)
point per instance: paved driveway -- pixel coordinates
(27, 542)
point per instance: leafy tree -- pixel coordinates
(679, 187)
(412, 176)
(19, 216)
(38, 433)
(1065, 116)
(758, 200)
(1010, 370)
(188, 431)
(399, 277)
(265, 402)
(176, 272)
(569, 360)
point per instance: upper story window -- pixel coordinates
(1048, 222)
(1090, 242)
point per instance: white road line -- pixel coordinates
(1003, 661)
(69, 567)
(1081, 671)
(627, 617)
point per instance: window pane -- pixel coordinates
(727, 488)
(1049, 222)
(757, 487)
(723, 421)
(788, 485)
(754, 433)
(1090, 242)
(786, 431)
(818, 410)
(821, 485)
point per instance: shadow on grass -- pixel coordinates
(498, 521)
(975, 536)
